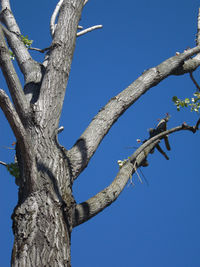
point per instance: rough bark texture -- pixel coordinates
(47, 211)
(42, 220)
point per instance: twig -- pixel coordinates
(60, 129)
(197, 124)
(139, 178)
(39, 50)
(144, 177)
(85, 2)
(194, 81)
(53, 18)
(89, 30)
(7, 147)
(3, 163)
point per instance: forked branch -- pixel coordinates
(88, 142)
(94, 205)
(55, 14)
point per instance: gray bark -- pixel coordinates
(47, 211)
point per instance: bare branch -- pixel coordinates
(7, 17)
(194, 81)
(197, 124)
(14, 85)
(5, 4)
(27, 65)
(88, 142)
(12, 116)
(197, 57)
(55, 14)
(39, 49)
(89, 30)
(53, 17)
(85, 2)
(94, 205)
(59, 64)
(30, 68)
(3, 163)
(61, 129)
(198, 29)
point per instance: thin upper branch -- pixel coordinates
(53, 17)
(85, 2)
(86, 145)
(94, 205)
(13, 35)
(89, 30)
(3, 163)
(13, 82)
(55, 79)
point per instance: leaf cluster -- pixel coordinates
(193, 103)
(26, 42)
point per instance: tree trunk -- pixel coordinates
(46, 209)
(42, 220)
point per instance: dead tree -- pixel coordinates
(46, 211)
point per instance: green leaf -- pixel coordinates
(174, 99)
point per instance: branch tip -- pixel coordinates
(89, 30)
(3, 163)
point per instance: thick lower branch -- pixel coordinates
(86, 145)
(94, 205)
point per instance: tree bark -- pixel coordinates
(46, 211)
(42, 220)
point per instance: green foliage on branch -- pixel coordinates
(26, 42)
(193, 103)
(13, 169)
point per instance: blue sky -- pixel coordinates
(148, 226)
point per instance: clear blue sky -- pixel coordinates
(148, 226)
